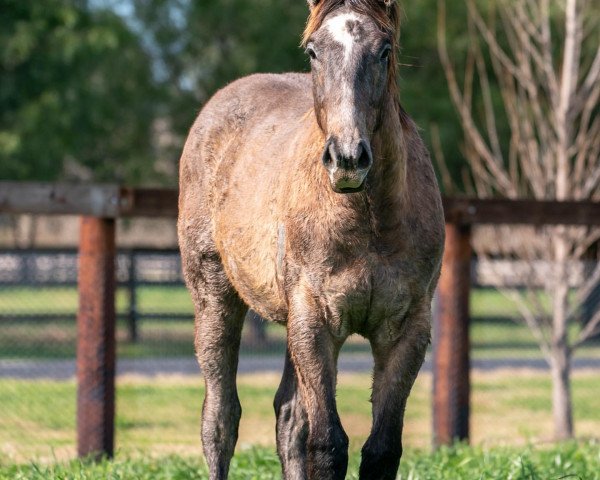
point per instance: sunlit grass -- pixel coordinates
(561, 461)
(162, 415)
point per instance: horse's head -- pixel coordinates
(351, 45)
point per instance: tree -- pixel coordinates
(544, 57)
(199, 47)
(77, 96)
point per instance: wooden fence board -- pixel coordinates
(112, 201)
(59, 199)
(529, 212)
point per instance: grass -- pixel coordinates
(162, 415)
(484, 301)
(568, 460)
(157, 423)
(493, 333)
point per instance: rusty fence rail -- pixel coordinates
(100, 205)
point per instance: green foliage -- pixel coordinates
(76, 94)
(202, 46)
(570, 460)
(81, 88)
(423, 88)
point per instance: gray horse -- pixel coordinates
(311, 199)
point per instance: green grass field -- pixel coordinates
(157, 424)
(566, 461)
(161, 416)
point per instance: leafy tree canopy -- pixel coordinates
(76, 94)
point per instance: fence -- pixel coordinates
(100, 205)
(59, 267)
(135, 268)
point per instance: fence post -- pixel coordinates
(451, 365)
(96, 338)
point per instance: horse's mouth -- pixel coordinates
(348, 181)
(347, 189)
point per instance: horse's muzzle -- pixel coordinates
(347, 171)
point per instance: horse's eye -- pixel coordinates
(310, 51)
(385, 53)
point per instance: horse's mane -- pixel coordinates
(385, 13)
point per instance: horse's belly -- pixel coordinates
(248, 252)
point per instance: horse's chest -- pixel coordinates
(362, 297)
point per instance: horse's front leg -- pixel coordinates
(314, 351)
(218, 331)
(397, 362)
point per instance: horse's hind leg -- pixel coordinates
(219, 319)
(292, 425)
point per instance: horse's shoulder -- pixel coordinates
(252, 99)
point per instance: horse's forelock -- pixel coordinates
(386, 14)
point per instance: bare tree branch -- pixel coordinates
(591, 329)
(500, 178)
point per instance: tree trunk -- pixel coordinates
(560, 350)
(560, 363)
(562, 408)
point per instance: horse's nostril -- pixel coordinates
(364, 160)
(327, 158)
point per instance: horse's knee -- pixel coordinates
(292, 425)
(220, 421)
(380, 461)
(284, 411)
(221, 413)
(291, 422)
(327, 450)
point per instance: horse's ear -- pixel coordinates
(389, 4)
(313, 3)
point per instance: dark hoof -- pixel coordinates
(382, 465)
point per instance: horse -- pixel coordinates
(311, 199)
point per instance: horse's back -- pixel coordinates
(239, 115)
(229, 176)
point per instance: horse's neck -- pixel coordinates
(380, 206)
(388, 177)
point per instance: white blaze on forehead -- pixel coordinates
(338, 28)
